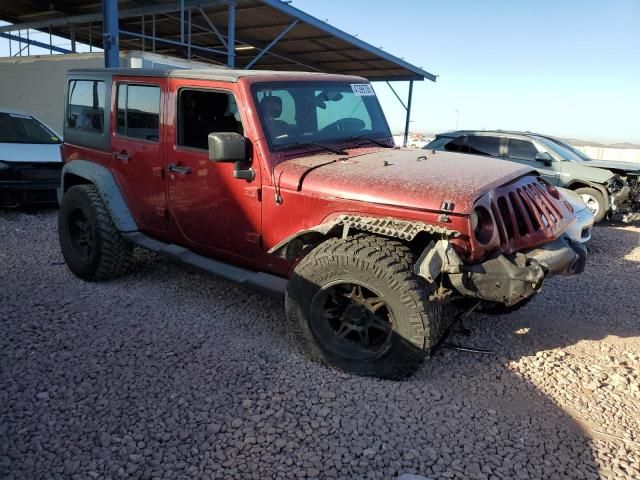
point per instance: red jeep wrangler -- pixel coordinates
(290, 182)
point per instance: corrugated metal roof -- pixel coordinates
(311, 45)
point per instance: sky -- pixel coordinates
(569, 68)
(564, 67)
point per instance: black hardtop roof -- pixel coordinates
(217, 74)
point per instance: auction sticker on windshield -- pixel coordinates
(362, 89)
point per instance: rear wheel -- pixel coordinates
(595, 201)
(91, 245)
(356, 304)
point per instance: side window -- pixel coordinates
(481, 145)
(458, 144)
(522, 149)
(201, 112)
(86, 105)
(138, 113)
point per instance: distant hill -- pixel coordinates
(624, 145)
(570, 141)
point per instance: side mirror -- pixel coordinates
(545, 158)
(231, 147)
(227, 147)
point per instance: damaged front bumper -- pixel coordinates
(504, 279)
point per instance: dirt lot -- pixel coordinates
(170, 373)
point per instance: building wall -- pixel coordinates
(605, 153)
(36, 84)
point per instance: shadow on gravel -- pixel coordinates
(172, 374)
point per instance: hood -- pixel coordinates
(30, 152)
(408, 178)
(614, 165)
(584, 171)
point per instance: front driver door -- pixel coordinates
(213, 211)
(524, 151)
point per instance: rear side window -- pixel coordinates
(458, 144)
(437, 143)
(86, 105)
(522, 149)
(481, 145)
(138, 111)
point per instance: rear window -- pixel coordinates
(481, 145)
(458, 144)
(21, 128)
(86, 105)
(437, 144)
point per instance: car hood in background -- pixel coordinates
(407, 178)
(30, 152)
(614, 165)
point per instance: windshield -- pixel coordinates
(583, 156)
(302, 113)
(21, 128)
(563, 152)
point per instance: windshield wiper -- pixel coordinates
(315, 144)
(372, 140)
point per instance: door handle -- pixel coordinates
(180, 170)
(122, 156)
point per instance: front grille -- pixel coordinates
(526, 214)
(46, 172)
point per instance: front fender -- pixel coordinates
(383, 226)
(107, 186)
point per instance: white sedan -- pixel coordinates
(30, 160)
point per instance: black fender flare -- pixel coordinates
(107, 186)
(384, 226)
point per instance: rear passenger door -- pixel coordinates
(137, 154)
(524, 151)
(484, 145)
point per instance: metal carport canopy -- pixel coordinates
(258, 34)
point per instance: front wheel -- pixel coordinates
(595, 201)
(356, 304)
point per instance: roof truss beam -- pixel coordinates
(128, 13)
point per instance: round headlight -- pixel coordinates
(553, 191)
(482, 224)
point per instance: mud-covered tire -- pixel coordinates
(595, 196)
(83, 219)
(378, 265)
(501, 309)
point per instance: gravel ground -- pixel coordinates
(170, 373)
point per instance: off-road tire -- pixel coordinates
(598, 197)
(501, 309)
(379, 264)
(111, 255)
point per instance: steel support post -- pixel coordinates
(72, 31)
(231, 36)
(110, 33)
(189, 37)
(406, 125)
